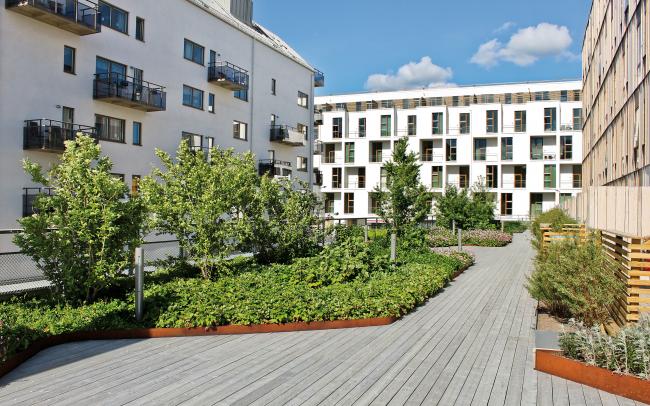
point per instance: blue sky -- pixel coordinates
(462, 41)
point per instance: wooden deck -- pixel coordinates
(470, 345)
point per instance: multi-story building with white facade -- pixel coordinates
(141, 75)
(523, 140)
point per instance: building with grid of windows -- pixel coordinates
(139, 76)
(522, 140)
(616, 97)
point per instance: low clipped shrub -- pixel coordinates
(628, 352)
(575, 279)
(486, 238)
(442, 237)
(515, 227)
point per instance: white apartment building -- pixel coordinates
(141, 75)
(523, 140)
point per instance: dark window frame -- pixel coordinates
(73, 70)
(236, 134)
(100, 129)
(193, 90)
(111, 25)
(192, 58)
(303, 100)
(492, 121)
(211, 103)
(437, 119)
(139, 125)
(139, 28)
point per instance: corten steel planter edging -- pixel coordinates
(552, 362)
(144, 333)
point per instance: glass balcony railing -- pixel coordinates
(287, 135)
(50, 135)
(319, 78)
(131, 92)
(228, 76)
(78, 17)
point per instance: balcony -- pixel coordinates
(319, 78)
(379, 156)
(29, 198)
(78, 17)
(127, 91)
(50, 136)
(274, 168)
(228, 76)
(287, 135)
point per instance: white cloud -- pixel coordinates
(526, 46)
(411, 76)
(505, 26)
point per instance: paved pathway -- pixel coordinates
(470, 345)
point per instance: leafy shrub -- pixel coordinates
(469, 209)
(344, 261)
(442, 237)
(486, 238)
(466, 258)
(82, 235)
(626, 353)
(555, 218)
(513, 227)
(575, 280)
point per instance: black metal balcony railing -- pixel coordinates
(129, 92)
(272, 167)
(51, 135)
(228, 76)
(287, 135)
(319, 78)
(30, 194)
(79, 17)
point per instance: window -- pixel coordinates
(329, 203)
(104, 66)
(303, 100)
(564, 96)
(302, 129)
(549, 176)
(492, 121)
(114, 17)
(455, 100)
(564, 197)
(576, 95)
(436, 177)
(208, 142)
(464, 123)
(536, 148)
(69, 59)
(520, 176)
(383, 178)
(436, 123)
(109, 128)
(135, 184)
(211, 102)
(577, 176)
(357, 106)
(492, 176)
(480, 149)
(301, 164)
(506, 204)
(241, 95)
(192, 97)
(463, 177)
(377, 152)
(566, 147)
(273, 87)
(137, 133)
(194, 141)
(361, 176)
(362, 127)
(349, 152)
(139, 29)
(577, 119)
(386, 126)
(550, 123)
(520, 121)
(450, 149)
(240, 130)
(193, 52)
(406, 104)
(412, 125)
(337, 127)
(374, 205)
(506, 148)
(508, 98)
(386, 104)
(67, 117)
(337, 175)
(348, 203)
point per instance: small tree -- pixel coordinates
(286, 221)
(404, 202)
(82, 235)
(204, 201)
(480, 215)
(470, 209)
(451, 207)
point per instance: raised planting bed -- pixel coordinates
(552, 362)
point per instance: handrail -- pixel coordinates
(114, 76)
(82, 10)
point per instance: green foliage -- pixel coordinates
(81, 237)
(285, 221)
(470, 209)
(442, 237)
(208, 203)
(513, 227)
(626, 353)
(405, 202)
(346, 260)
(555, 218)
(575, 280)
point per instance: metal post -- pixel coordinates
(453, 226)
(365, 231)
(503, 225)
(393, 247)
(139, 283)
(460, 239)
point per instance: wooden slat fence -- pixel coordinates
(568, 231)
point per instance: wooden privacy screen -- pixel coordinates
(568, 231)
(631, 262)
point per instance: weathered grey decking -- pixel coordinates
(471, 344)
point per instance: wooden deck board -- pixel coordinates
(471, 344)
